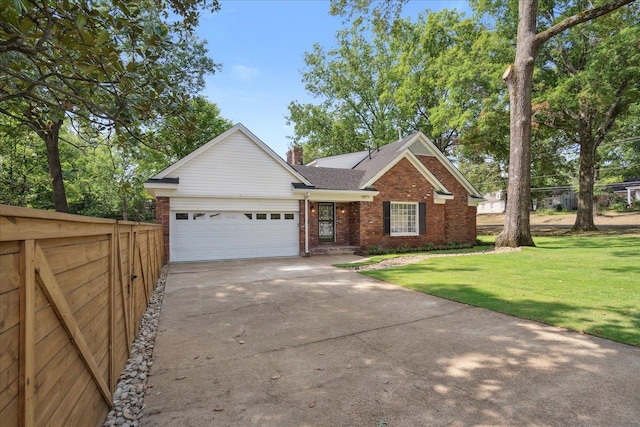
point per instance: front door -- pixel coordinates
(326, 225)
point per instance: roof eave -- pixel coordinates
(239, 127)
(426, 173)
(475, 201)
(322, 195)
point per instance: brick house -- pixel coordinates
(235, 198)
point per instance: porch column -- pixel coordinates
(306, 225)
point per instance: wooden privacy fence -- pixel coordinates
(72, 292)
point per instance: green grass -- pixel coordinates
(587, 284)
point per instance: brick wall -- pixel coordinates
(345, 216)
(458, 227)
(354, 224)
(450, 222)
(163, 216)
(343, 223)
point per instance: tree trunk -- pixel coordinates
(50, 137)
(519, 78)
(586, 181)
(125, 208)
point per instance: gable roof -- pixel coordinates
(333, 172)
(384, 158)
(237, 128)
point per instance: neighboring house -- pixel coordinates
(495, 202)
(568, 199)
(629, 189)
(235, 198)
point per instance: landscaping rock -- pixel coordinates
(128, 398)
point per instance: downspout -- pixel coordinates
(306, 224)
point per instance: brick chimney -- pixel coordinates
(294, 156)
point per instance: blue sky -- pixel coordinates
(261, 45)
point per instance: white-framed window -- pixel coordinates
(404, 219)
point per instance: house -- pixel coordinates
(235, 198)
(495, 202)
(561, 199)
(629, 189)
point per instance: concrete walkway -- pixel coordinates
(296, 342)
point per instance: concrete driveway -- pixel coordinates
(296, 342)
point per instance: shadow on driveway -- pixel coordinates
(296, 342)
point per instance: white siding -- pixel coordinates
(220, 204)
(234, 167)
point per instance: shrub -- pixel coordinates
(403, 249)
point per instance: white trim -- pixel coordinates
(421, 137)
(306, 225)
(161, 185)
(322, 195)
(416, 217)
(475, 201)
(237, 128)
(426, 173)
(441, 199)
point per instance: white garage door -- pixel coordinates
(211, 235)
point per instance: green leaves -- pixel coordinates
(81, 21)
(436, 75)
(102, 38)
(113, 65)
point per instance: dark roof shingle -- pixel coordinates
(331, 178)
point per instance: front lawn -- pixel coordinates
(587, 284)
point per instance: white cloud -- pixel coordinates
(244, 73)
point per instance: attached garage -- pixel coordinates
(207, 235)
(232, 198)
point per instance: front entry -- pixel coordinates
(326, 223)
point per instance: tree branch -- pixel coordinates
(579, 18)
(610, 116)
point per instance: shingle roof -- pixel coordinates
(622, 186)
(380, 158)
(340, 161)
(331, 178)
(374, 162)
(353, 179)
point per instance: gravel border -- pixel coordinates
(410, 259)
(128, 398)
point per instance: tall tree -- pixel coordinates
(102, 178)
(355, 88)
(519, 79)
(112, 65)
(175, 137)
(431, 75)
(587, 82)
(445, 70)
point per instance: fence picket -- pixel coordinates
(68, 271)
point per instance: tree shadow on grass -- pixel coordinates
(620, 324)
(591, 243)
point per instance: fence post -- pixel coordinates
(112, 308)
(27, 332)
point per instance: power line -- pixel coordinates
(570, 176)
